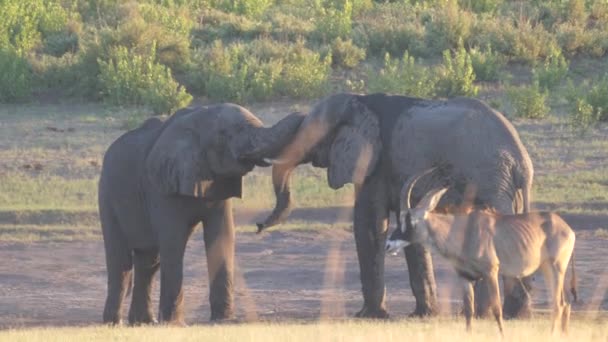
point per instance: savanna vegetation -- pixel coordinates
(161, 53)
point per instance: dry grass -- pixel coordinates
(406, 330)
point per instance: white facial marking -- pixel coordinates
(393, 246)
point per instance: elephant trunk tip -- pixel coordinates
(260, 227)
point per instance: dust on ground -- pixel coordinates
(281, 276)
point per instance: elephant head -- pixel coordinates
(204, 151)
(341, 134)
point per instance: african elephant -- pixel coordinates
(376, 142)
(159, 181)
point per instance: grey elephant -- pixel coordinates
(376, 142)
(159, 181)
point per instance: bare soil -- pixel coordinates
(281, 276)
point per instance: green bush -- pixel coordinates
(456, 75)
(145, 25)
(486, 64)
(228, 27)
(287, 27)
(305, 74)
(258, 71)
(403, 76)
(333, 20)
(582, 115)
(528, 101)
(522, 40)
(345, 54)
(552, 72)
(448, 25)
(61, 75)
(248, 8)
(15, 76)
(481, 6)
(392, 28)
(135, 79)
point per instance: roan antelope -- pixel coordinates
(482, 244)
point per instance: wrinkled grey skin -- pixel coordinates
(376, 142)
(160, 180)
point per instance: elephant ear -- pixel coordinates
(356, 148)
(178, 163)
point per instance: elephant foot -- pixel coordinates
(136, 320)
(174, 323)
(513, 311)
(222, 316)
(518, 304)
(112, 319)
(379, 313)
(424, 311)
(113, 323)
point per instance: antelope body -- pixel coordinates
(483, 244)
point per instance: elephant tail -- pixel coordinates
(523, 180)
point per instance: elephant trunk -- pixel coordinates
(267, 142)
(284, 203)
(323, 118)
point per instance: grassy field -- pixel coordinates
(51, 156)
(409, 330)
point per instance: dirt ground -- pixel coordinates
(281, 276)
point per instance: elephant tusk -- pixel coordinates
(275, 161)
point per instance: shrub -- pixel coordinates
(528, 101)
(392, 28)
(333, 20)
(582, 115)
(403, 76)
(486, 64)
(552, 72)
(597, 96)
(456, 75)
(15, 76)
(144, 26)
(259, 71)
(587, 104)
(305, 74)
(58, 44)
(346, 54)
(481, 6)
(134, 79)
(287, 27)
(448, 25)
(228, 26)
(60, 74)
(248, 8)
(521, 40)
(232, 74)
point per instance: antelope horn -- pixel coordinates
(406, 190)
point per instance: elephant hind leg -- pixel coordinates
(147, 263)
(119, 264)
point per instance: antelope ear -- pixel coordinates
(431, 199)
(356, 147)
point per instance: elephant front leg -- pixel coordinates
(219, 246)
(422, 279)
(146, 264)
(370, 228)
(518, 303)
(172, 248)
